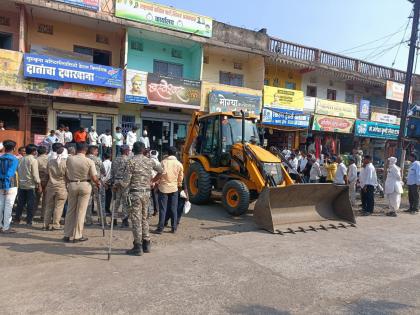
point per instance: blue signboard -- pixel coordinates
(364, 109)
(371, 129)
(86, 4)
(284, 117)
(67, 70)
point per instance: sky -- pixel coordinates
(339, 26)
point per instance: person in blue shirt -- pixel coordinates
(8, 185)
(51, 139)
(413, 183)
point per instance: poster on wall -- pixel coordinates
(284, 117)
(275, 97)
(371, 129)
(337, 109)
(385, 118)
(175, 92)
(85, 4)
(67, 70)
(395, 91)
(164, 16)
(332, 124)
(364, 109)
(12, 79)
(136, 87)
(222, 101)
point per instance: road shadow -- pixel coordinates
(255, 309)
(377, 307)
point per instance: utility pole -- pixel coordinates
(408, 76)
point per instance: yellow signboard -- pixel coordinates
(283, 98)
(337, 109)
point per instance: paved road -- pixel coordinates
(218, 265)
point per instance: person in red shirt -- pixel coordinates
(80, 135)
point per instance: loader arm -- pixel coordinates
(192, 134)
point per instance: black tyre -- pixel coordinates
(235, 197)
(199, 184)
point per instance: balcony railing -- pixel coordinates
(321, 57)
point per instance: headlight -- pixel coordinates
(274, 171)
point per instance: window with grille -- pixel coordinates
(331, 94)
(311, 91)
(136, 45)
(127, 123)
(229, 78)
(290, 85)
(168, 68)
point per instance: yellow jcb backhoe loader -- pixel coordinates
(222, 154)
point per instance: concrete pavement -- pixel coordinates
(371, 269)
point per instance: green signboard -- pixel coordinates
(164, 16)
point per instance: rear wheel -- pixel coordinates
(199, 184)
(235, 197)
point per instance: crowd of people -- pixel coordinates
(359, 173)
(69, 180)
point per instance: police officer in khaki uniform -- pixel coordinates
(138, 180)
(93, 152)
(56, 192)
(81, 172)
(43, 175)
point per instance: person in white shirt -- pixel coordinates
(105, 141)
(393, 187)
(106, 181)
(118, 140)
(341, 173)
(413, 183)
(93, 136)
(352, 179)
(293, 161)
(68, 135)
(368, 181)
(302, 163)
(60, 134)
(315, 172)
(145, 139)
(131, 137)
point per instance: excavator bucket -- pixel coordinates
(301, 208)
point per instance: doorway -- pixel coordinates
(74, 121)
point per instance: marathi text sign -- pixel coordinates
(66, 70)
(164, 16)
(175, 92)
(370, 129)
(222, 101)
(332, 124)
(86, 4)
(385, 118)
(283, 98)
(136, 87)
(364, 109)
(395, 91)
(11, 79)
(284, 117)
(337, 109)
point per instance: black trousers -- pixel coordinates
(413, 197)
(180, 210)
(26, 197)
(108, 199)
(168, 203)
(368, 198)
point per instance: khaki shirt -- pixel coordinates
(57, 173)
(28, 172)
(42, 167)
(173, 174)
(79, 167)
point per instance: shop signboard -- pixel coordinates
(364, 109)
(309, 104)
(67, 70)
(164, 16)
(136, 87)
(337, 109)
(60, 53)
(332, 124)
(284, 117)
(85, 4)
(175, 92)
(12, 79)
(395, 91)
(222, 101)
(385, 118)
(371, 129)
(275, 97)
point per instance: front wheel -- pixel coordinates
(235, 197)
(199, 184)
